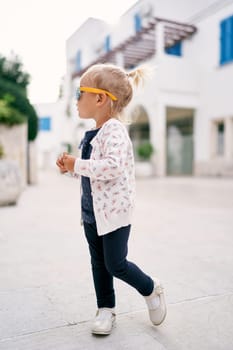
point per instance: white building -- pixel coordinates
(186, 109)
(55, 132)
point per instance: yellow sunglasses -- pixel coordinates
(93, 90)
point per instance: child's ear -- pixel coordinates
(101, 98)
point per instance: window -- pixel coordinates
(175, 50)
(45, 124)
(220, 138)
(226, 40)
(107, 43)
(78, 60)
(137, 23)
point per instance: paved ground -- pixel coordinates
(183, 233)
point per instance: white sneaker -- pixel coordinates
(156, 304)
(104, 321)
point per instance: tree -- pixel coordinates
(13, 85)
(9, 115)
(12, 70)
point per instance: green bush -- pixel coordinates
(20, 103)
(145, 150)
(13, 90)
(9, 115)
(1, 151)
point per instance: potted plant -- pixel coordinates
(145, 151)
(144, 167)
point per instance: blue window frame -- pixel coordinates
(137, 23)
(45, 124)
(79, 60)
(175, 50)
(107, 44)
(226, 40)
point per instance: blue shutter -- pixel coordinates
(137, 23)
(226, 40)
(107, 44)
(175, 50)
(45, 123)
(231, 38)
(223, 42)
(78, 60)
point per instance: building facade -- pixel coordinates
(186, 108)
(55, 133)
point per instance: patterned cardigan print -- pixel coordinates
(112, 176)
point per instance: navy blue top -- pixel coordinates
(87, 201)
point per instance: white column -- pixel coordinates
(159, 135)
(229, 139)
(213, 139)
(159, 40)
(120, 59)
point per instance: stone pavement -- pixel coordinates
(182, 233)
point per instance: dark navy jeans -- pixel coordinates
(108, 259)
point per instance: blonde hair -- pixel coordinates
(117, 81)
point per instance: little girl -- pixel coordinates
(108, 186)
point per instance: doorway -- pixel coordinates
(179, 141)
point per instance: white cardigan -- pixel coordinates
(112, 176)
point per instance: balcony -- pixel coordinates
(149, 41)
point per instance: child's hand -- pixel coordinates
(68, 161)
(60, 165)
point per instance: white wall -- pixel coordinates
(216, 81)
(92, 29)
(49, 143)
(204, 48)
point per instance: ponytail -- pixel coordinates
(140, 75)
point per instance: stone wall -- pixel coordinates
(14, 142)
(33, 164)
